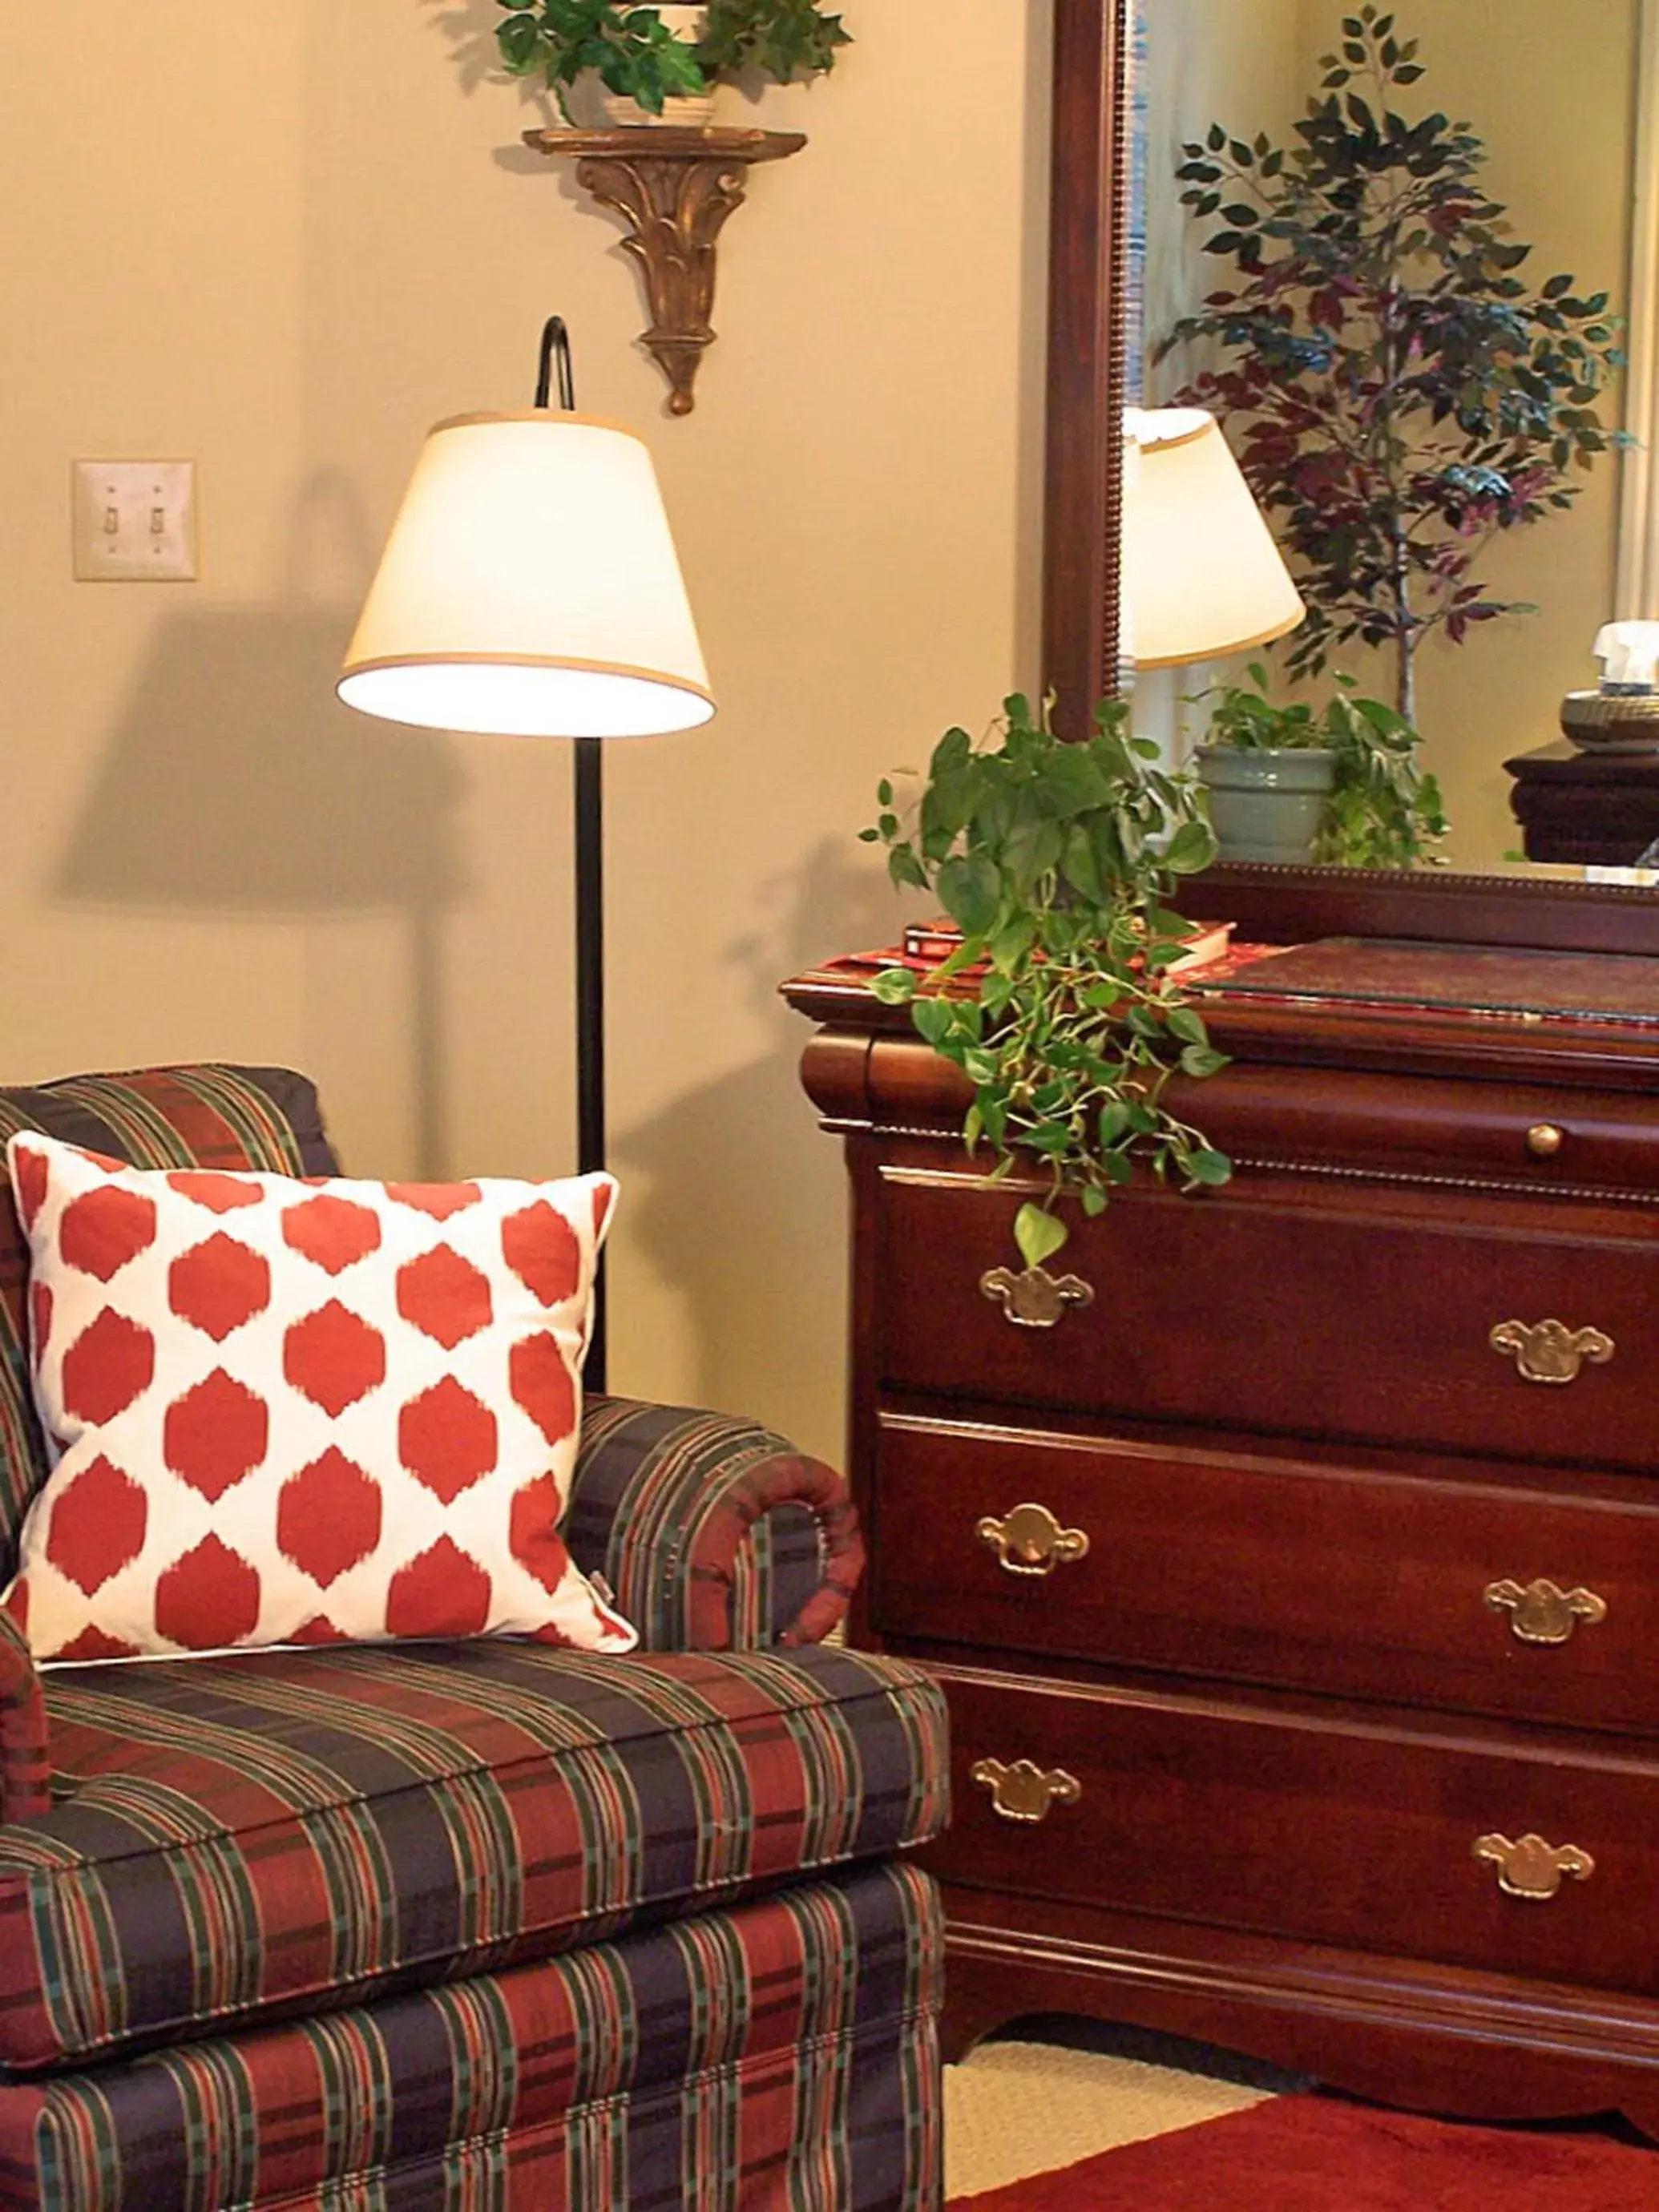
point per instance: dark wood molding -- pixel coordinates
(1087, 357)
(675, 190)
(1287, 906)
(1478, 2046)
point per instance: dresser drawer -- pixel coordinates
(1357, 1583)
(1281, 1823)
(1532, 1135)
(1334, 1320)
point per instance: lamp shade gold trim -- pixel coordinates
(1222, 652)
(557, 414)
(1160, 429)
(529, 660)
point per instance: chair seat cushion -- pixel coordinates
(275, 1833)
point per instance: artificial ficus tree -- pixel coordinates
(1397, 391)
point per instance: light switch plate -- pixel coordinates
(135, 522)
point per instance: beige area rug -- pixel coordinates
(1015, 2109)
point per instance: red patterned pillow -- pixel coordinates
(286, 1412)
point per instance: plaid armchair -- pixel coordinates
(420, 1927)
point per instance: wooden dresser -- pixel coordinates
(1293, 1576)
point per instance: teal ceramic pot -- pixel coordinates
(1266, 805)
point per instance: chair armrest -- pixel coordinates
(713, 1535)
(24, 1762)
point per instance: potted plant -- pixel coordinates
(1054, 860)
(659, 64)
(1345, 785)
(1397, 391)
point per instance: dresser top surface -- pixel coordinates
(1599, 989)
(1411, 1005)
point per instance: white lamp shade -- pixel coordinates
(1202, 576)
(530, 586)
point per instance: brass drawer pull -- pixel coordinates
(1035, 1299)
(1031, 1541)
(1551, 1352)
(1545, 1140)
(1532, 1868)
(1024, 1792)
(1542, 1613)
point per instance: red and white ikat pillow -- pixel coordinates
(302, 1412)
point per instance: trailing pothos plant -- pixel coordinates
(1055, 861)
(1384, 811)
(1398, 391)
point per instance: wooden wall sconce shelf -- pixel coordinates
(675, 190)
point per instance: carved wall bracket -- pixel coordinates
(674, 189)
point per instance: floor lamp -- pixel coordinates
(529, 588)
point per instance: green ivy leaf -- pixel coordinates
(1191, 849)
(1114, 1123)
(1199, 1060)
(971, 887)
(1038, 1233)
(934, 1020)
(894, 986)
(1210, 1168)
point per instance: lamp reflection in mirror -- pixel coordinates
(1202, 577)
(531, 588)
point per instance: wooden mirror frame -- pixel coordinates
(1087, 378)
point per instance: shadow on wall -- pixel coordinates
(236, 784)
(747, 1137)
(470, 27)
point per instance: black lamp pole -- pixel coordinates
(590, 904)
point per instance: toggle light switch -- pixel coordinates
(135, 522)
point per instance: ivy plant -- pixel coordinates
(632, 50)
(1055, 861)
(781, 39)
(636, 56)
(1384, 811)
(1398, 390)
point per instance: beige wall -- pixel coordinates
(284, 249)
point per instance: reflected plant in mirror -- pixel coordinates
(1382, 809)
(1397, 391)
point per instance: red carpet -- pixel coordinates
(1301, 2154)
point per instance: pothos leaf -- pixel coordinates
(1038, 1233)
(894, 986)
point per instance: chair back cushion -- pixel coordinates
(261, 1118)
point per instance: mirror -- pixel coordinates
(1559, 118)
